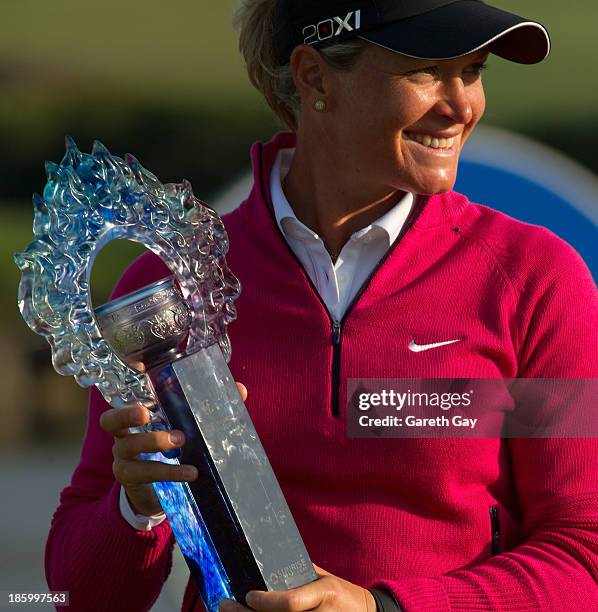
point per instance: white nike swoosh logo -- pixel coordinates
(418, 348)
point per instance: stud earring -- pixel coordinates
(320, 106)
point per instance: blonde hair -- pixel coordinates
(253, 21)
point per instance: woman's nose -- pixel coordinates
(454, 102)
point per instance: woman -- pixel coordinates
(359, 261)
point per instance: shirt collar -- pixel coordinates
(391, 222)
(282, 208)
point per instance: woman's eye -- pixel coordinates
(432, 70)
(477, 69)
(473, 70)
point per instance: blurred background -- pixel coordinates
(164, 81)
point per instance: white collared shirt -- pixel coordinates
(339, 282)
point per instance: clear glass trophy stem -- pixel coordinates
(250, 539)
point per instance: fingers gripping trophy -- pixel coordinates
(232, 524)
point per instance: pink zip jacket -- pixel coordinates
(443, 524)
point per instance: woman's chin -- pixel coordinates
(435, 186)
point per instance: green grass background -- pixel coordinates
(184, 51)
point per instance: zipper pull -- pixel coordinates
(336, 332)
(495, 530)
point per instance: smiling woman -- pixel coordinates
(353, 249)
(401, 121)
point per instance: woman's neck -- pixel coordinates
(332, 201)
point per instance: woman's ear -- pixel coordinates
(310, 73)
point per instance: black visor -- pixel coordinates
(426, 29)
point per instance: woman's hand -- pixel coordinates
(135, 474)
(327, 594)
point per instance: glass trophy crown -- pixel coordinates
(89, 200)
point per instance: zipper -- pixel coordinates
(336, 367)
(336, 326)
(494, 530)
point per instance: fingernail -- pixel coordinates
(176, 437)
(140, 413)
(190, 472)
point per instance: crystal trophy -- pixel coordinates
(232, 524)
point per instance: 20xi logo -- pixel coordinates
(327, 28)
